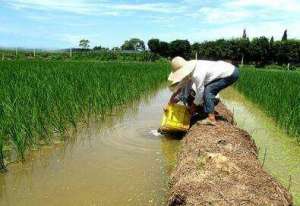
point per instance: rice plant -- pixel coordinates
(277, 92)
(39, 97)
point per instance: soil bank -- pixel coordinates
(218, 165)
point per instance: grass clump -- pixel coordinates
(277, 92)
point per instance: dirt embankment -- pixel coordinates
(218, 165)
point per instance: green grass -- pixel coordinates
(277, 92)
(39, 97)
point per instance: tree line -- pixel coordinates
(133, 44)
(259, 51)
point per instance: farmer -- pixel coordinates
(201, 81)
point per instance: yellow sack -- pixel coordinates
(176, 119)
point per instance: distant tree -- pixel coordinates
(138, 44)
(293, 50)
(272, 40)
(159, 47)
(206, 50)
(243, 49)
(134, 44)
(195, 46)
(235, 50)
(281, 52)
(259, 48)
(272, 51)
(164, 49)
(97, 48)
(222, 49)
(154, 45)
(180, 48)
(287, 51)
(284, 36)
(127, 46)
(244, 34)
(84, 43)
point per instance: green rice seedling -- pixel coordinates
(38, 98)
(277, 92)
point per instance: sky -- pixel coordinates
(62, 23)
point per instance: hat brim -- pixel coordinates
(181, 73)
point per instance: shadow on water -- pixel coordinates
(281, 152)
(113, 161)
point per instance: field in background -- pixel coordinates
(38, 98)
(277, 92)
(102, 55)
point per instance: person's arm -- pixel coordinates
(199, 96)
(173, 99)
(198, 79)
(192, 108)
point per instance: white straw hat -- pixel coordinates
(180, 69)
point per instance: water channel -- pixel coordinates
(123, 161)
(281, 152)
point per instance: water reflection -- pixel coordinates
(113, 162)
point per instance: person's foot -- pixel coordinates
(207, 121)
(212, 117)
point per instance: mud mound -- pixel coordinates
(218, 165)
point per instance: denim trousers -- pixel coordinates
(214, 87)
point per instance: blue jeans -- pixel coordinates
(214, 87)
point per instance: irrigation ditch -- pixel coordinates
(278, 152)
(120, 162)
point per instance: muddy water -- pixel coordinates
(118, 161)
(281, 153)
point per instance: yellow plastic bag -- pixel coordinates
(176, 119)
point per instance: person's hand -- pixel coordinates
(173, 101)
(192, 109)
(165, 108)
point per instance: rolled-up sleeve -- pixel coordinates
(199, 96)
(198, 79)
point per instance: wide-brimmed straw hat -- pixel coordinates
(180, 69)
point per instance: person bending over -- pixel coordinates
(205, 78)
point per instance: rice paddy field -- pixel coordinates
(39, 99)
(277, 93)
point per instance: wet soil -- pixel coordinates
(218, 165)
